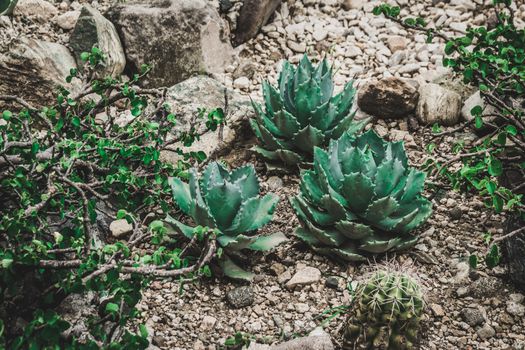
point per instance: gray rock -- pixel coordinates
(33, 69)
(93, 29)
(462, 272)
(208, 323)
(486, 331)
(240, 297)
(253, 15)
(396, 43)
(225, 5)
(517, 298)
(178, 38)
(274, 183)
(387, 98)
(455, 213)
(485, 287)
(437, 310)
(120, 228)
(515, 309)
(40, 10)
(304, 276)
(76, 309)
(317, 340)
(332, 282)
(353, 4)
(188, 96)
(472, 316)
(67, 20)
(242, 83)
(438, 105)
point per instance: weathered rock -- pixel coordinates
(438, 105)
(486, 331)
(475, 100)
(317, 340)
(472, 316)
(333, 282)
(437, 310)
(178, 38)
(455, 213)
(208, 323)
(120, 228)
(515, 306)
(388, 98)
(188, 96)
(241, 83)
(353, 4)
(304, 276)
(515, 309)
(241, 297)
(253, 15)
(40, 10)
(33, 69)
(274, 183)
(93, 29)
(396, 43)
(485, 287)
(76, 309)
(67, 20)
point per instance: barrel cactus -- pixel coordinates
(301, 113)
(7, 7)
(386, 312)
(228, 202)
(360, 197)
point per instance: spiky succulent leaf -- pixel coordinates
(268, 242)
(229, 202)
(7, 7)
(301, 112)
(362, 188)
(233, 270)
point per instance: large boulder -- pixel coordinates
(253, 15)
(438, 105)
(187, 97)
(388, 98)
(33, 69)
(93, 29)
(178, 38)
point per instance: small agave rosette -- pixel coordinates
(230, 203)
(302, 112)
(361, 197)
(386, 312)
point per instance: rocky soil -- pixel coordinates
(295, 290)
(466, 309)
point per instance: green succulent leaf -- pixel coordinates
(301, 112)
(254, 213)
(268, 242)
(360, 198)
(233, 270)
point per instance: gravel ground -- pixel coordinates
(466, 309)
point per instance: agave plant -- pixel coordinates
(360, 197)
(301, 113)
(386, 312)
(7, 7)
(228, 202)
